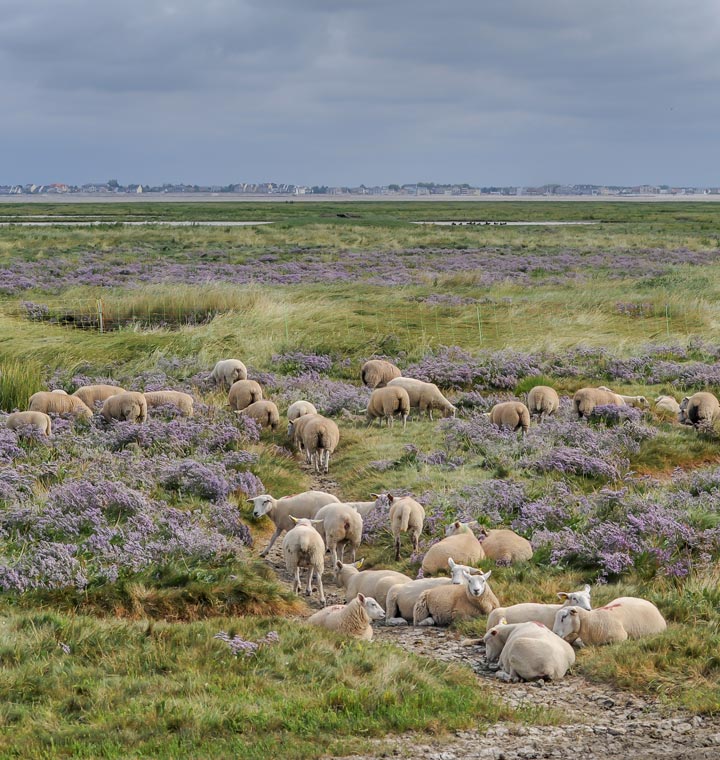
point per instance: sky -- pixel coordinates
(344, 92)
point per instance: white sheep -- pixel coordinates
(459, 543)
(92, 394)
(401, 599)
(542, 400)
(511, 414)
(320, 437)
(497, 636)
(505, 546)
(446, 604)
(700, 408)
(406, 516)
(363, 508)
(295, 432)
(376, 373)
(242, 393)
(125, 407)
(375, 583)
(304, 504)
(264, 412)
(59, 403)
(385, 403)
(228, 371)
(425, 397)
(639, 402)
(353, 619)
(341, 526)
(586, 399)
(457, 570)
(624, 618)
(303, 547)
(182, 401)
(667, 404)
(542, 613)
(37, 420)
(299, 409)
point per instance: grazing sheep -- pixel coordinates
(542, 400)
(624, 618)
(541, 613)
(183, 401)
(667, 404)
(511, 414)
(363, 508)
(353, 619)
(377, 373)
(242, 393)
(59, 403)
(341, 526)
(375, 583)
(639, 402)
(125, 407)
(700, 408)
(320, 437)
(586, 399)
(406, 515)
(265, 412)
(303, 547)
(304, 504)
(228, 371)
(37, 420)
(459, 543)
(442, 606)
(425, 397)
(295, 431)
(386, 402)
(401, 599)
(300, 409)
(92, 394)
(505, 546)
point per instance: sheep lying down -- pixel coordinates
(353, 619)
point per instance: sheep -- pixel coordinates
(624, 618)
(442, 606)
(242, 393)
(541, 613)
(304, 504)
(59, 403)
(700, 408)
(320, 437)
(386, 402)
(341, 526)
(377, 373)
(405, 515)
(299, 409)
(542, 400)
(401, 598)
(363, 508)
(59, 390)
(125, 407)
(456, 571)
(183, 401)
(353, 619)
(459, 543)
(586, 399)
(505, 546)
(228, 371)
(667, 404)
(511, 414)
(92, 394)
(37, 420)
(375, 583)
(295, 429)
(303, 547)
(640, 402)
(497, 636)
(425, 397)
(265, 412)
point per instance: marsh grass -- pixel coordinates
(18, 381)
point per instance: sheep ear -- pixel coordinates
(457, 523)
(586, 588)
(503, 621)
(360, 563)
(493, 632)
(563, 595)
(250, 501)
(338, 565)
(375, 495)
(487, 574)
(315, 522)
(294, 519)
(573, 611)
(361, 598)
(391, 498)
(451, 562)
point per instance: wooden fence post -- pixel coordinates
(100, 315)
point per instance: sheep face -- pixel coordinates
(373, 609)
(493, 644)
(577, 598)
(456, 571)
(453, 528)
(261, 505)
(476, 583)
(567, 623)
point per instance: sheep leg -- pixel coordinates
(273, 539)
(404, 421)
(327, 461)
(321, 590)
(333, 553)
(296, 583)
(416, 542)
(430, 413)
(308, 590)
(427, 621)
(397, 548)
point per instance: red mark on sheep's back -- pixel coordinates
(538, 624)
(611, 606)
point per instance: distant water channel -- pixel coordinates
(470, 223)
(99, 222)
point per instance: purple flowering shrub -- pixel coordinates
(293, 362)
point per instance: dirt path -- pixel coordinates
(600, 722)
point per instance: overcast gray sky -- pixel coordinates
(349, 91)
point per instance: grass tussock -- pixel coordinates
(18, 381)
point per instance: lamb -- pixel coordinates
(387, 402)
(406, 515)
(424, 396)
(667, 404)
(442, 606)
(183, 401)
(243, 393)
(586, 399)
(505, 546)
(228, 371)
(341, 526)
(459, 544)
(353, 619)
(542, 400)
(511, 414)
(125, 407)
(37, 420)
(627, 617)
(299, 409)
(305, 504)
(377, 373)
(639, 402)
(542, 613)
(265, 412)
(59, 403)
(700, 408)
(320, 437)
(303, 547)
(375, 583)
(92, 394)
(401, 599)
